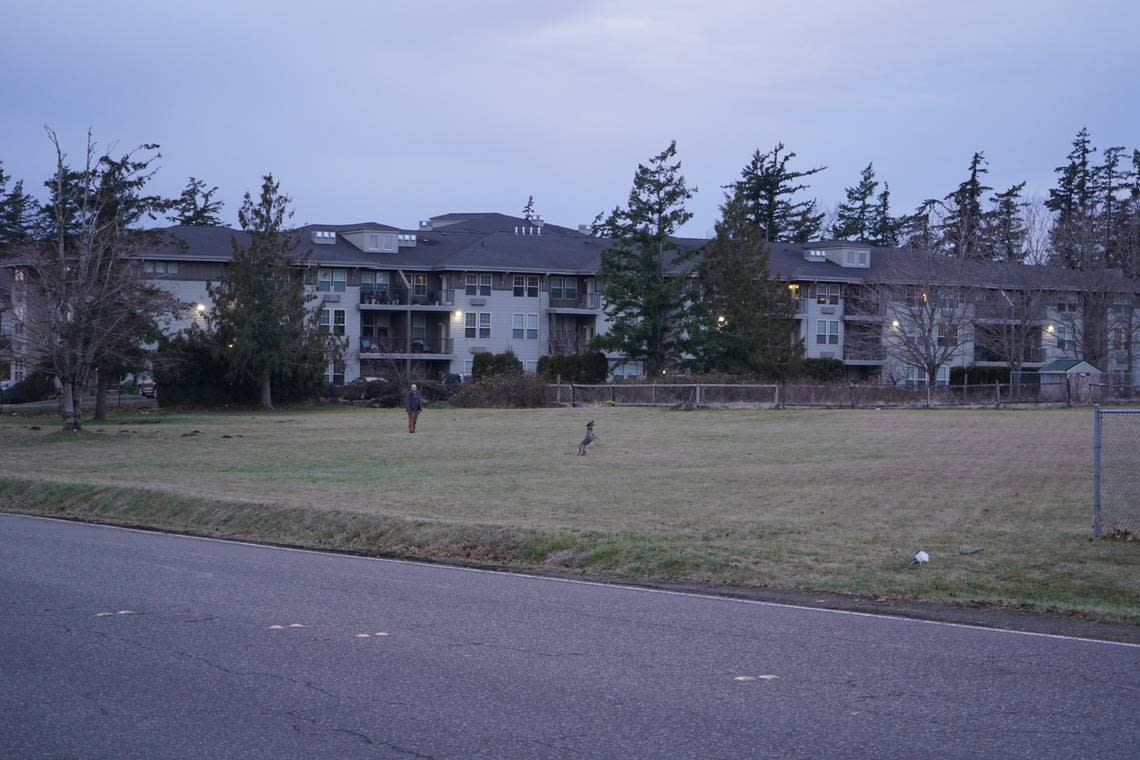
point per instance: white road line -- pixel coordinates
(599, 584)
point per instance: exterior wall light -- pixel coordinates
(1049, 328)
(458, 314)
(200, 307)
(894, 323)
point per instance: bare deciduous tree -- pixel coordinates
(85, 301)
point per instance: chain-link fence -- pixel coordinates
(1116, 472)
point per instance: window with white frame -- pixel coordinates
(335, 373)
(827, 332)
(325, 321)
(532, 327)
(419, 285)
(532, 286)
(827, 293)
(333, 280)
(518, 283)
(470, 325)
(947, 334)
(918, 376)
(1067, 303)
(1064, 337)
(484, 324)
(338, 322)
(564, 288)
(518, 326)
(471, 284)
(530, 367)
(468, 366)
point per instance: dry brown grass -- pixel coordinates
(822, 499)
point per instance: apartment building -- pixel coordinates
(433, 296)
(464, 283)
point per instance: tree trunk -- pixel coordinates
(70, 404)
(101, 398)
(266, 394)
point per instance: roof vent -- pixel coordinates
(584, 229)
(814, 254)
(425, 225)
(324, 237)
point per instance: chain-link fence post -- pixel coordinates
(1096, 471)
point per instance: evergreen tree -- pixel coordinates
(195, 206)
(918, 229)
(808, 224)
(528, 209)
(1111, 187)
(644, 272)
(17, 212)
(1006, 230)
(1072, 235)
(963, 221)
(884, 227)
(260, 315)
(768, 188)
(740, 318)
(856, 216)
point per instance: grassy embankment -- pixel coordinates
(827, 500)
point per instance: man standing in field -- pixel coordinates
(413, 404)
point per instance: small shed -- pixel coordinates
(1063, 379)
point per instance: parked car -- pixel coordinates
(148, 389)
(366, 379)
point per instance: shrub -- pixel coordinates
(824, 370)
(35, 387)
(587, 368)
(504, 391)
(485, 364)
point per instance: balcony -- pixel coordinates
(863, 351)
(382, 297)
(864, 309)
(1001, 311)
(401, 345)
(566, 342)
(577, 303)
(983, 354)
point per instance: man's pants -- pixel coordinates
(412, 416)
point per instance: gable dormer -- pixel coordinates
(843, 253)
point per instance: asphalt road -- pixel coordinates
(122, 644)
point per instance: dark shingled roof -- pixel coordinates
(488, 242)
(1064, 365)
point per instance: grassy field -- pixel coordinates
(829, 500)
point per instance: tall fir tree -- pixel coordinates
(963, 219)
(1005, 234)
(260, 314)
(196, 207)
(855, 219)
(528, 209)
(768, 188)
(1111, 185)
(884, 227)
(741, 319)
(17, 214)
(644, 272)
(1072, 235)
(918, 229)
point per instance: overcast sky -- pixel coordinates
(396, 111)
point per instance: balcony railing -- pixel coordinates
(381, 295)
(566, 342)
(1004, 311)
(400, 344)
(867, 352)
(983, 353)
(578, 301)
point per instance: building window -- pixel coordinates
(160, 267)
(518, 326)
(325, 321)
(519, 284)
(530, 367)
(827, 332)
(419, 284)
(469, 322)
(336, 373)
(1119, 339)
(532, 286)
(468, 366)
(1067, 303)
(324, 280)
(1064, 337)
(338, 322)
(532, 327)
(947, 334)
(827, 294)
(471, 284)
(555, 288)
(373, 241)
(821, 332)
(484, 284)
(484, 324)
(563, 288)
